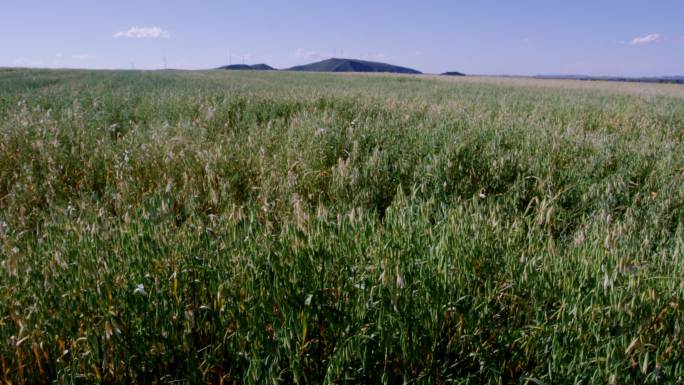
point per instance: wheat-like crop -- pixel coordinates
(216, 227)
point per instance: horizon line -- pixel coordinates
(532, 75)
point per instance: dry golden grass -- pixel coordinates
(646, 89)
(600, 86)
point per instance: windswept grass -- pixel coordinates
(309, 228)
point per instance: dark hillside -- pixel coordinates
(352, 65)
(246, 67)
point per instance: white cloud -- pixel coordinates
(144, 33)
(648, 39)
(83, 56)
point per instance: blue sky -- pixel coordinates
(595, 37)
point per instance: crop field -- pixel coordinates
(255, 227)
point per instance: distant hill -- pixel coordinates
(662, 79)
(243, 67)
(262, 67)
(352, 65)
(454, 73)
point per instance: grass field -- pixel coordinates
(310, 228)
